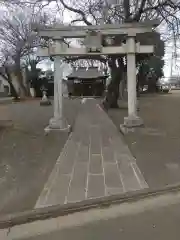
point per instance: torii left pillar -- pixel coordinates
(58, 122)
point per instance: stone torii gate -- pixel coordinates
(93, 46)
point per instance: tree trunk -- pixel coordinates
(33, 73)
(12, 88)
(112, 95)
(23, 90)
(152, 85)
(111, 100)
(126, 6)
(123, 87)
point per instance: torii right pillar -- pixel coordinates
(132, 120)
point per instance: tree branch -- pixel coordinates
(83, 15)
(91, 12)
(165, 3)
(77, 20)
(140, 11)
(126, 6)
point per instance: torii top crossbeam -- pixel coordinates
(62, 31)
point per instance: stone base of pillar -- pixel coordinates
(134, 121)
(125, 130)
(58, 125)
(131, 124)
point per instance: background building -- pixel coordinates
(87, 82)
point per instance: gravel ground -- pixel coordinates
(27, 156)
(156, 147)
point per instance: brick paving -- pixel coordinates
(95, 162)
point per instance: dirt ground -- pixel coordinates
(157, 145)
(27, 156)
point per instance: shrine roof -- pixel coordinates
(84, 73)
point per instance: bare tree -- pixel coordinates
(20, 41)
(91, 11)
(5, 72)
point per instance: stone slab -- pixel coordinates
(85, 138)
(95, 143)
(130, 180)
(41, 201)
(83, 153)
(114, 191)
(125, 156)
(112, 177)
(96, 187)
(66, 166)
(77, 190)
(108, 154)
(96, 164)
(58, 191)
(67, 158)
(139, 175)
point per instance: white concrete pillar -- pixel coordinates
(58, 122)
(132, 119)
(131, 77)
(58, 75)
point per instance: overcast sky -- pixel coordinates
(68, 16)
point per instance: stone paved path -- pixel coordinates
(94, 163)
